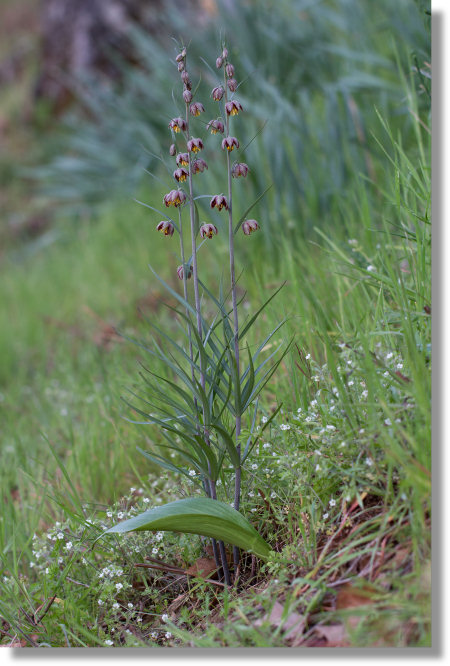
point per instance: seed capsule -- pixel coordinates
(219, 202)
(208, 230)
(165, 227)
(249, 226)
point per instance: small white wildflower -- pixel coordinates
(47, 570)
(332, 408)
(389, 355)
(109, 514)
(254, 466)
(362, 431)
(351, 382)
(159, 536)
(60, 535)
(154, 634)
(251, 494)
(325, 516)
(370, 268)
(266, 445)
(138, 619)
(343, 444)
(365, 393)
(115, 605)
(369, 462)
(130, 605)
(253, 510)
(119, 586)
(192, 472)
(155, 551)
(388, 422)
(100, 602)
(386, 374)
(313, 403)
(109, 642)
(164, 617)
(146, 500)
(60, 560)
(399, 366)
(264, 419)
(132, 490)
(273, 495)
(317, 468)
(352, 241)
(120, 515)
(68, 545)
(285, 426)
(331, 427)
(168, 635)
(332, 502)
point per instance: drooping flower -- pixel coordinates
(198, 166)
(177, 125)
(233, 107)
(219, 202)
(229, 69)
(165, 227)
(194, 145)
(186, 80)
(215, 126)
(196, 109)
(217, 93)
(249, 226)
(181, 56)
(219, 62)
(180, 272)
(239, 169)
(232, 85)
(182, 159)
(172, 150)
(174, 198)
(180, 175)
(208, 230)
(229, 143)
(187, 95)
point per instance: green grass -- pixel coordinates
(340, 486)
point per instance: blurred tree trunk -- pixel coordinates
(78, 37)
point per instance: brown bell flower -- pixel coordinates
(229, 143)
(232, 84)
(249, 226)
(196, 109)
(219, 202)
(187, 95)
(186, 80)
(174, 198)
(229, 69)
(239, 169)
(198, 166)
(194, 145)
(217, 93)
(219, 62)
(182, 159)
(215, 126)
(180, 272)
(172, 150)
(180, 175)
(177, 125)
(165, 227)
(181, 56)
(208, 230)
(233, 107)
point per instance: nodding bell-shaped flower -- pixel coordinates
(172, 150)
(217, 93)
(215, 126)
(180, 272)
(229, 143)
(194, 145)
(177, 125)
(187, 95)
(249, 226)
(225, 53)
(229, 69)
(239, 169)
(186, 80)
(233, 107)
(219, 62)
(232, 84)
(180, 175)
(181, 66)
(219, 202)
(165, 227)
(182, 159)
(196, 109)
(208, 230)
(198, 166)
(174, 198)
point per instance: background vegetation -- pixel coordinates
(338, 100)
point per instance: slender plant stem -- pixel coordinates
(237, 482)
(185, 293)
(212, 485)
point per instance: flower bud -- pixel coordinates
(219, 62)
(180, 175)
(217, 93)
(232, 84)
(181, 66)
(187, 96)
(229, 69)
(177, 125)
(181, 56)
(249, 226)
(208, 230)
(219, 202)
(225, 53)
(194, 145)
(186, 80)
(239, 169)
(166, 227)
(229, 143)
(198, 166)
(233, 107)
(173, 150)
(180, 272)
(196, 109)
(174, 198)
(182, 159)
(215, 126)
